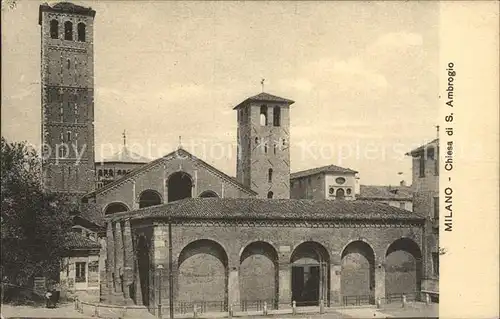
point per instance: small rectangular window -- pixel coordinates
(277, 116)
(80, 275)
(402, 205)
(422, 165)
(435, 264)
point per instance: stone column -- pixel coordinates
(110, 260)
(233, 287)
(128, 261)
(118, 262)
(137, 277)
(285, 292)
(335, 284)
(379, 281)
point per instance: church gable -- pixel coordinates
(175, 176)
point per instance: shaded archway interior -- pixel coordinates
(358, 273)
(310, 274)
(149, 198)
(258, 277)
(208, 193)
(203, 274)
(403, 268)
(143, 262)
(115, 208)
(179, 185)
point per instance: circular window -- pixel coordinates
(331, 190)
(340, 180)
(348, 191)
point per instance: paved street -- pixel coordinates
(393, 311)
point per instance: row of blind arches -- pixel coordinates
(68, 30)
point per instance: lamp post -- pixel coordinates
(159, 267)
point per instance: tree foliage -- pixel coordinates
(34, 222)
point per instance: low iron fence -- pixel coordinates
(358, 300)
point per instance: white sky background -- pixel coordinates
(364, 77)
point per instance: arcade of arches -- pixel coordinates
(207, 271)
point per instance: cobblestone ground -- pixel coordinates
(62, 311)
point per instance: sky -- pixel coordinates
(363, 75)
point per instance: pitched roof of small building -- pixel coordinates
(265, 97)
(89, 212)
(270, 209)
(322, 169)
(381, 192)
(77, 241)
(126, 156)
(420, 149)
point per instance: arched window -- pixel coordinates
(119, 172)
(100, 172)
(81, 32)
(68, 30)
(270, 175)
(339, 194)
(54, 29)
(276, 116)
(179, 186)
(256, 141)
(111, 173)
(149, 198)
(68, 136)
(275, 147)
(265, 148)
(263, 115)
(105, 172)
(68, 64)
(115, 207)
(270, 195)
(208, 193)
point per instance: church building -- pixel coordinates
(177, 231)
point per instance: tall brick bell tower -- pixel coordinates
(67, 84)
(263, 145)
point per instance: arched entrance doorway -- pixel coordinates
(258, 275)
(203, 275)
(179, 185)
(115, 207)
(358, 274)
(143, 263)
(149, 198)
(310, 274)
(403, 268)
(208, 193)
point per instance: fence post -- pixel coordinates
(265, 308)
(321, 306)
(404, 301)
(379, 303)
(96, 311)
(76, 304)
(230, 314)
(195, 311)
(427, 298)
(294, 307)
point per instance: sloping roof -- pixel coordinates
(380, 192)
(77, 241)
(179, 153)
(90, 212)
(272, 209)
(265, 97)
(419, 149)
(67, 7)
(322, 169)
(126, 156)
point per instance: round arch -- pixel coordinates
(180, 185)
(208, 193)
(403, 267)
(310, 274)
(115, 207)
(358, 273)
(203, 271)
(149, 198)
(259, 274)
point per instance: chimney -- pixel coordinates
(402, 183)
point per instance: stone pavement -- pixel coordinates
(62, 311)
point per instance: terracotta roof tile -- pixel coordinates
(77, 241)
(253, 208)
(322, 169)
(265, 97)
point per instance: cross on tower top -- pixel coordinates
(262, 84)
(124, 134)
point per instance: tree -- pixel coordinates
(34, 222)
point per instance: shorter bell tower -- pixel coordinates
(263, 162)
